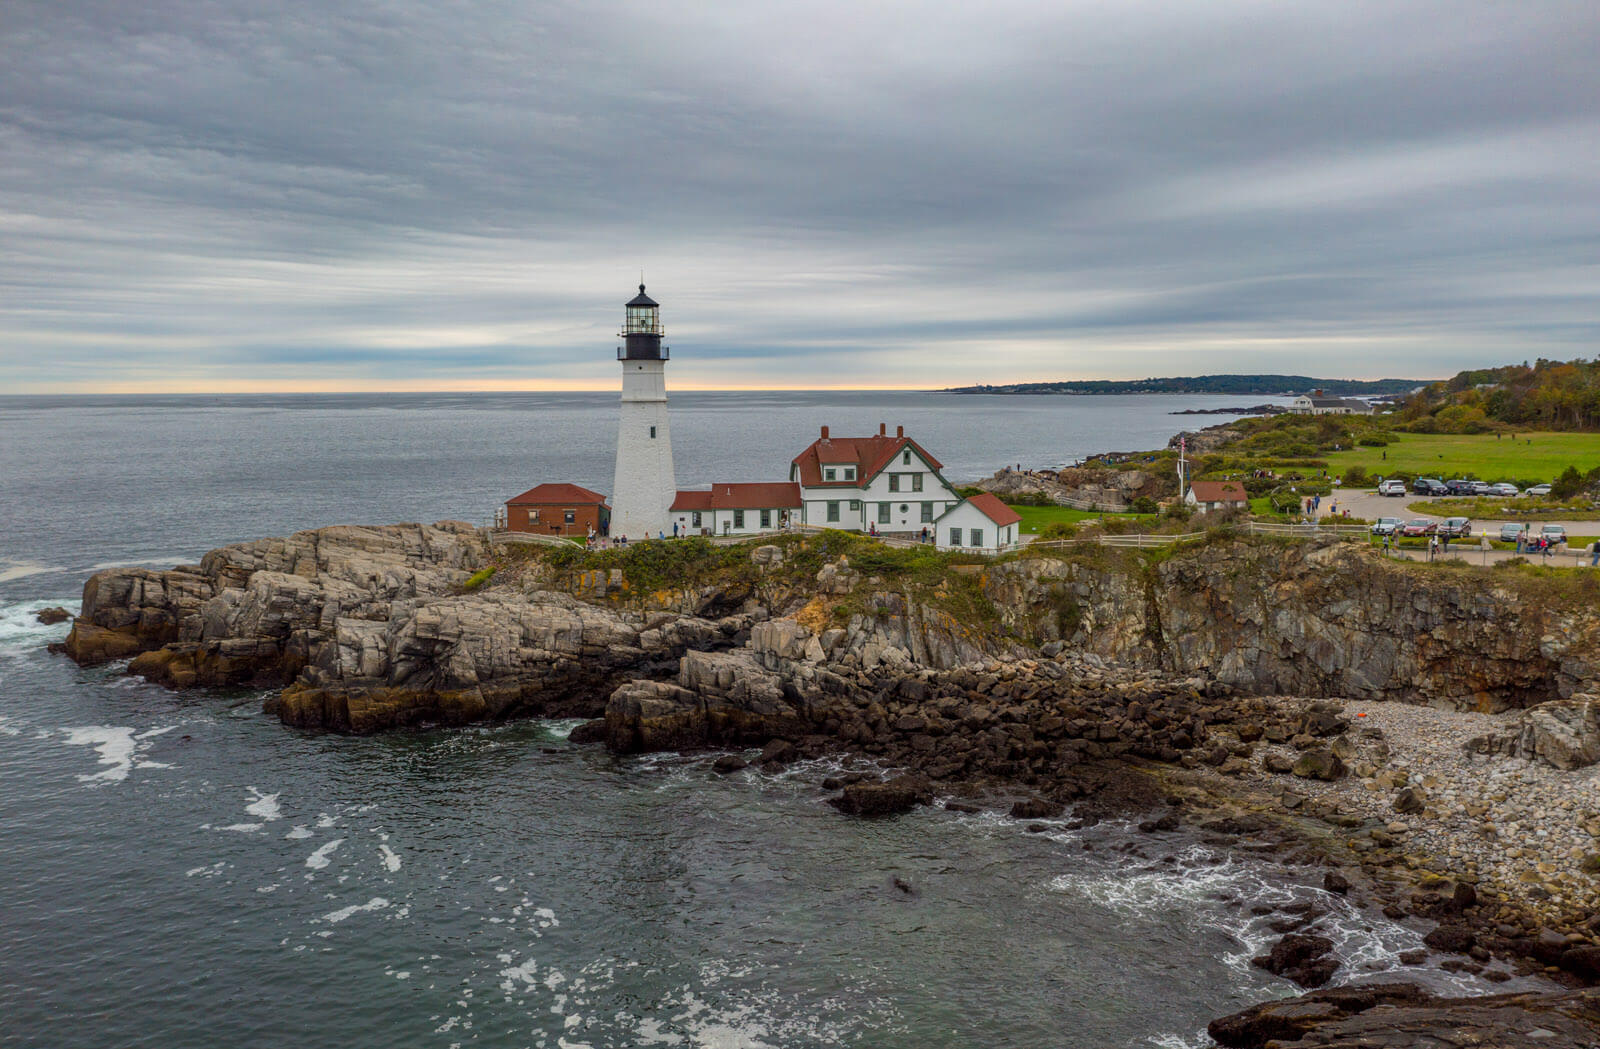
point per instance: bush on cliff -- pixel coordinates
(477, 579)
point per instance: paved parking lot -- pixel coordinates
(1369, 504)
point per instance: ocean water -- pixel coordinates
(180, 870)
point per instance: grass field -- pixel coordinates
(1529, 457)
(1035, 518)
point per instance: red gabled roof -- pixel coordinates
(869, 455)
(557, 494)
(1219, 492)
(989, 504)
(762, 496)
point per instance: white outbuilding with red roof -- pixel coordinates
(979, 525)
(736, 509)
(882, 483)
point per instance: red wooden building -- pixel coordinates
(558, 509)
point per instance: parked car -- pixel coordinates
(1511, 531)
(1393, 487)
(1419, 528)
(1429, 486)
(1386, 525)
(1455, 528)
(1481, 487)
(1503, 488)
(1459, 486)
(1538, 490)
(1555, 534)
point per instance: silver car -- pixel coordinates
(1503, 488)
(1538, 490)
(1510, 532)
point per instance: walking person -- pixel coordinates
(1594, 552)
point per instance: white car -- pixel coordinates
(1538, 490)
(1391, 488)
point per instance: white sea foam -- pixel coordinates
(265, 806)
(320, 859)
(8, 729)
(22, 633)
(23, 569)
(166, 562)
(119, 748)
(298, 832)
(391, 859)
(238, 828)
(324, 821)
(377, 903)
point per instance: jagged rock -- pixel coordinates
(729, 763)
(1300, 957)
(1457, 939)
(1564, 733)
(1410, 800)
(901, 794)
(1403, 1016)
(1272, 761)
(767, 555)
(1319, 764)
(1336, 883)
(52, 616)
(1036, 809)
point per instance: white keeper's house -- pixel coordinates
(878, 483)
(980, 525)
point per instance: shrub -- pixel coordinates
(1356, 477)
(1145, 505)
(1569, 484)
(1375, 440)
(477, 579)
(1059, 530)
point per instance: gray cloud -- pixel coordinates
(226, 194)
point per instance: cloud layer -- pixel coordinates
(230, 195)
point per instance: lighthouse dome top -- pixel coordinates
(642, 299)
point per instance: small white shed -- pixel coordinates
(981, 525)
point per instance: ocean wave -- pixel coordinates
(119, 748)
(20, 630)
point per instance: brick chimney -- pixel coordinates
(883, 429)
(899, 431)
(824, 433)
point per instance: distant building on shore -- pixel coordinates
(1319, 403)
(1207, 496)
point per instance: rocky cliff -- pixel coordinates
(1308, 619)
(367, 628)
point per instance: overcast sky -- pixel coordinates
(236, 195)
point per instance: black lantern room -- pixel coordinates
(641, 330)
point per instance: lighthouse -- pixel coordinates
(645, 482)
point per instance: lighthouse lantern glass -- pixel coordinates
(642, 319)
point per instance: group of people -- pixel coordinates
(1535, 544)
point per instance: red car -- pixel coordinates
(1420, 528)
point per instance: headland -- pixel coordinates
(1413, 728)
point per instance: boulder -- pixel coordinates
(729, 763)
(52, 616)
(1319, 763)
(1304, 958)
(901, 794)
(1410, 800)
(1036, 809)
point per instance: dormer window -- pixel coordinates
(829, 473)
(849, 473)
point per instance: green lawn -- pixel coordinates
(1035, 518)
(1529, 457)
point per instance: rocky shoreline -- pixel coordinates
(1219, 687)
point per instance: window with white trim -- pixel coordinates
(829, 473)
(849, 473)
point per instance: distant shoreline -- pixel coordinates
(1224, 385)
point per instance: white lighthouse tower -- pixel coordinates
(645, 483)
